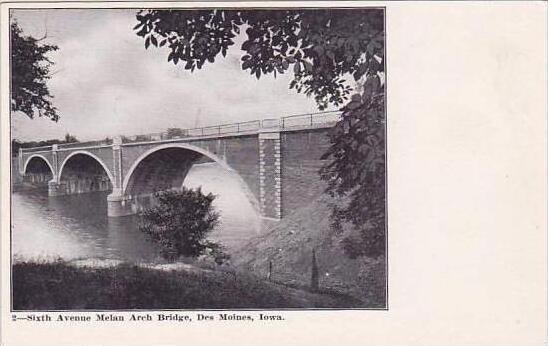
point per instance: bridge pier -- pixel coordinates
(55, 188)
(276, 160)
(270, 179)
(119, 205)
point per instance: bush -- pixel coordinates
(174, 132)
(142, 138)
(180, 222)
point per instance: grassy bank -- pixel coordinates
(61, 286)
(288, 246)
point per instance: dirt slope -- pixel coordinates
(289, 243)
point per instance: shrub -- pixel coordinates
(180, 222)
(174, 132)
(142, 138)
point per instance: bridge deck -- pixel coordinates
(284, 124)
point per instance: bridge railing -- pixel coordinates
(310, 120)
(107, 141)
(35, 149)
(68, 146)
(270, 123)
(287, 122)
(143, 138)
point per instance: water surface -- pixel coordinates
(77, 226)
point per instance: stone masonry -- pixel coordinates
(270, 179)
(278, 166)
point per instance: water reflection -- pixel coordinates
(239, 217)
(77, 226)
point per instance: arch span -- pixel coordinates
(38, 156)
(95, 157)
(189, 147)
(129, 176)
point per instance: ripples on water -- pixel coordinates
(77, 226)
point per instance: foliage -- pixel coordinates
(216, 252)
(70, 138)
(175, 132)
(321, 47)
(30, 69)
(357, 170)
(180, 223)
(142, 138)
(314, 276)
(325, 49)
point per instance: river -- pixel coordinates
(77, 227)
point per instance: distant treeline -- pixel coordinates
(16, 144)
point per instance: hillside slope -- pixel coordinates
(288, 244)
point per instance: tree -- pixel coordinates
(173, 132)
(30, 69)
(142, 138)
(325, 49)
(70, 138)
(180, 223)
(357, 173)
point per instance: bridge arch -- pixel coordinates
(84, 152)
(190, 147)
(41, 157)
(130, 173)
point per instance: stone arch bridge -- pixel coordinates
(277, 162)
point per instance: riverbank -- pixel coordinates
(63, 286)
(285, 250)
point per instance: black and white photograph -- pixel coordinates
(198, 159)
(273, 173)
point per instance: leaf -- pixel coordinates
(356, 97)
(247, 64)
(292, 84)
(142, 32)
(147, 42)
(297, 67)
(153, 41)
(371, 86)
(307, 66)
(245, 45)
(353, 105)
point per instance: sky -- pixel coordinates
(105, 83)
